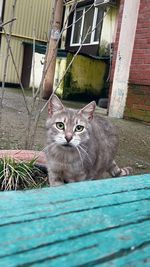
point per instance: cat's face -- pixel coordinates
(68, 127)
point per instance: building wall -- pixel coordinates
(37, 64)
(140, 65)
(107, 32)
(31, 15)
(116, 40)
(108, 29)
(138, 97)
(17, 49)
(59, 73)
(138, 102)
(85, 78)
(33, 20)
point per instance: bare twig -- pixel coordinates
(29, 128)
(33, 65)
(78, 19)
(33, 120)
(7, 52)
(68, 67)
(89, 31)
(34, 126)
(30, 136)
(17, 73)
(7, 22)
(49, 63)
(42, 109)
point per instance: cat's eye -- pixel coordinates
(60, 125)
(79, 128)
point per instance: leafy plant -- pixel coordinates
(16, 175)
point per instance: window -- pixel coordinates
(86, 27)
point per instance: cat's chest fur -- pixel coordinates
(66, 164)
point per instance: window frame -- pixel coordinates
(93, 30)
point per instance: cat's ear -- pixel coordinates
(54, 105)
(88, 110)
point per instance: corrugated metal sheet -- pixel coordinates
(31, 15)
(33, 20)
(17, 49)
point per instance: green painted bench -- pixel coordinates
(95, 223)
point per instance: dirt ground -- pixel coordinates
(134, 146)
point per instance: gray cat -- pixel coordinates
(80, 145)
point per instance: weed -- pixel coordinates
(17, 175)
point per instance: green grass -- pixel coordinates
(19, 175)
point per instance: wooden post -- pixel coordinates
(52, 51)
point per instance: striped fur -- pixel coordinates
(115, 171)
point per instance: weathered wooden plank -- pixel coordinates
(29, 204)
(94, 247)
(134, 259)
(76, 224)
(73, 191)
(117, 214)
(138, 258)
(32, 234)
(77, 205)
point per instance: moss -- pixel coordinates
(85, 78)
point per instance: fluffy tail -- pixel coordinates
(115, 171)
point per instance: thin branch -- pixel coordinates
(78, 18)
(7, 22)
(17, 73)
(36, 119)
(34, 126)
(77, 52)
(68, 67)
(7, 52)
(33, 65)
(49, 63)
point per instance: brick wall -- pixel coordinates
(138, 102)
(138, 98)
(140, 64)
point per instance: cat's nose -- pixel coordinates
(68, 137)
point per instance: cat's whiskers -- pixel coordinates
(51, 146)
(84, 147)
(77, 148)
(81, 147)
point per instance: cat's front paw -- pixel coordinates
(126, 171)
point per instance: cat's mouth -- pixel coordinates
(67, 145)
